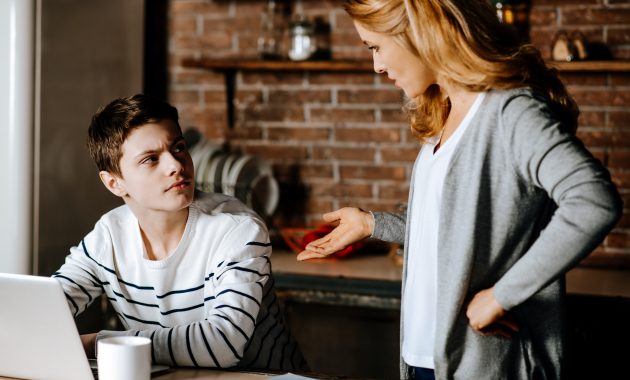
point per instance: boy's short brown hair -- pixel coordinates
(112, 124)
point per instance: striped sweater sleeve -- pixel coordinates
(78, 278)
(239, 271)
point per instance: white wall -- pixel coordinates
(17, 29)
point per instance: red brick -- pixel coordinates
(350, 39)
(200, 6)
(394, 115)
(391, 135)
(244, 132)
(340, 79)
(380, 172)
(620, 79)
(341, 190)
(216, 96)
(272, 113)
(370, 96)
(399, 192)
(308, 172)
(618, 239)
(197, 76)
(621, 178)
(619, 119)
(280, 152)
(216, 41)
(345, 53)
(622, 53)
(619, 36)
(299, 96)
(318, 206)
(593, 16)
(184, 96)
(269, 78)
(247, 45)
(344, 22)
(604, 138)
(543, 17)
(299, 134)
(343, 153)
(582, 79)
(625, 221)
(601, 97)
(252, 8)
(619, 159)
(547, 3)
(243, 97)
(592, 119)
(321, 6)
(183, 25)
(342, 115)
(400, 154)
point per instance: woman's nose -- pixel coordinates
(378, 67)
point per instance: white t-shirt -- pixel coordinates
(420, 297)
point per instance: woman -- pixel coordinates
(503, 198)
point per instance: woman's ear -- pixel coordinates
(113, 183)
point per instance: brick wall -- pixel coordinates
(339, 139)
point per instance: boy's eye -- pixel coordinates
(178, 148)
(149, 160)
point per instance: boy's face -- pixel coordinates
(157, 171)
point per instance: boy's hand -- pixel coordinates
(89, 344)
(353, 224)
(487, 317)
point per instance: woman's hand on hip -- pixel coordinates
(352, 224)
(487, 317)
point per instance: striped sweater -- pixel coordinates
(211, 303)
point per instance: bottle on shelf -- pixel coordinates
(515, 15)
(271, 39)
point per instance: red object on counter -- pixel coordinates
(297, 244)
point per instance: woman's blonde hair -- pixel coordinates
(464, 42)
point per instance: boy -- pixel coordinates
(189, 270)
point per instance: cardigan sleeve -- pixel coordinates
(390, 226)
(588, 205)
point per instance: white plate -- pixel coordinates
(200, 171)
(225, 175)
(253, 183)
(214, 182)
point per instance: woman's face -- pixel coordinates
(403, 67)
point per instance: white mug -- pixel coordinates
(124, 358)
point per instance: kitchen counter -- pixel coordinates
(376, 277)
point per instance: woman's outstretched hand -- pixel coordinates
(352, 224)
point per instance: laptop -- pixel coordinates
(38, 336)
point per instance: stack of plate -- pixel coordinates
(245, 177)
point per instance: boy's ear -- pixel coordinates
(112, 183)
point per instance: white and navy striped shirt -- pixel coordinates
(211, 303)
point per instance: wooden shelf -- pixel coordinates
(592, 66)
(260, 65)
(361, 66)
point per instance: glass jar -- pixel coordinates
(270, 39)
(303, 42)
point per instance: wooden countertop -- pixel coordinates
(379, 274)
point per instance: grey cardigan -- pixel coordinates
(522, 203)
